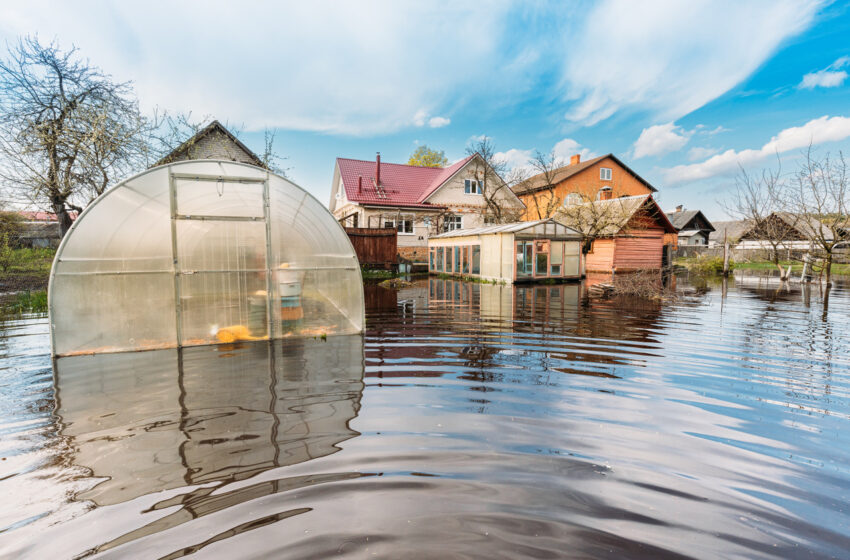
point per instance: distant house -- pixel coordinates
(40, 229)
(213, 141)
(693, 227)
(730, 231)
(797, 232)
(417, 201)
(627, 233)
(600, 178)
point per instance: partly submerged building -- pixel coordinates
(201, 252)
(627, 233)
(419, 202)
(524, 251)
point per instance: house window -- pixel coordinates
(388, 223)
(471, 186)
(405, 226)
(489, 219)
(452, 223)
(605, 173)
(476, 259)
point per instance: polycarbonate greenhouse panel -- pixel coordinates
(202, 252)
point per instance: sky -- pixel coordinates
(685, 93)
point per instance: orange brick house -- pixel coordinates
(601, 178)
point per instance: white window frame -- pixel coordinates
(401, 222)
(456, 223)
(472, 186)
(605, 173)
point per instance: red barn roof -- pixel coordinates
(401, 185)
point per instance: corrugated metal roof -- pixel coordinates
(401, 185)
(500, 228)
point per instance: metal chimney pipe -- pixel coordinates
(378, 169)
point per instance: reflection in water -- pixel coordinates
(146, 422)
(492, 421)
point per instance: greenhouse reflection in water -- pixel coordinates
(203, 418)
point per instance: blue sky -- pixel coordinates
(683, 92)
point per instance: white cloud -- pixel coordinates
(831, 76)
(439, 122)
(514, 158)
(419, 117)
(816, 131)
(659, 140)
(563, 150)
(343, 68)
(568, 147)
(357, 68)
(701, 153)
(670, 57)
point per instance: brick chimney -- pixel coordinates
(575, 160)
(378, 169)
(605, 193)
(679, 208)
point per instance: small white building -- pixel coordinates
(518, 252)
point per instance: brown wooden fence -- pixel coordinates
(375, 247)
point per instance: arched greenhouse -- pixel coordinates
(202, 252)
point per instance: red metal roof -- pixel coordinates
(401, 185)
(35, 216)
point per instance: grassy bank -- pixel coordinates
(796, 267)
(24, 302)
(25, 269)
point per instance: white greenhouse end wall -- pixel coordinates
(202, 252)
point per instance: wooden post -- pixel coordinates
(804, 274)
(725, 255)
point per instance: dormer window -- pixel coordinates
(605, 173)
(471, 186)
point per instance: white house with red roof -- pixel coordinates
(418, 201)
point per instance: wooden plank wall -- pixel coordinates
(375, 247)
(638, 253)
(601, 256)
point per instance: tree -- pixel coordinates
(66, 129)
(424, 156)
(495, 184)
(545, 202)
(819, 192)
(600, 218)
(762, 200)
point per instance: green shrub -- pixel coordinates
(26, 302)
(711, 265)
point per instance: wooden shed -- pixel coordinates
(629, 236)
(518, 252)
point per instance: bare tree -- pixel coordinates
(67, 130)
(544, 201)
(491, 173)
(763, 200)
(820, 190)
(601, 218)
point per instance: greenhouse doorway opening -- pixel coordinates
(202, 252)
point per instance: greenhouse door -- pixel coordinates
(220, 240)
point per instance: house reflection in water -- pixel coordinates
(150, 421)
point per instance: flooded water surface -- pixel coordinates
(471, 421)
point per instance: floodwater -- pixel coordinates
(471, 421)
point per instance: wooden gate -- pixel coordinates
(375, 247)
